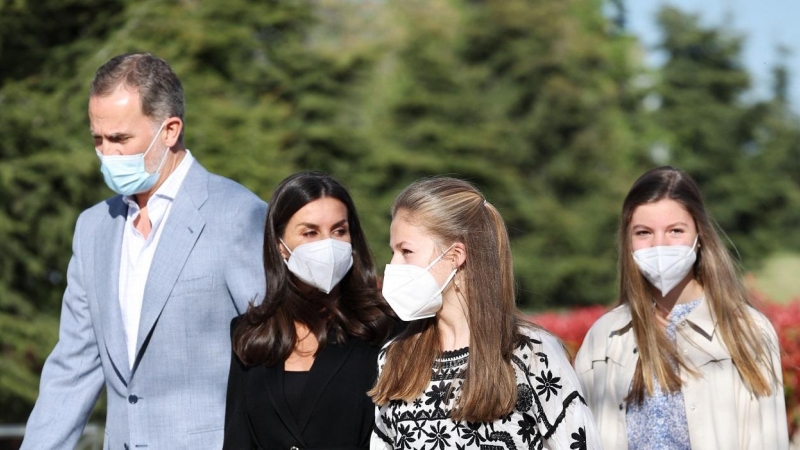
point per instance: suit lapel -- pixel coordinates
(274, 386)
(181, 231)
(326, 365)
(108, 250)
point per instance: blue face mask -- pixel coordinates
(126, 174)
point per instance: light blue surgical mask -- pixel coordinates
(126, 174)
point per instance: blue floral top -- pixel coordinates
(659, 423)
(550, 411)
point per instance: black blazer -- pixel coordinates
(336, 412)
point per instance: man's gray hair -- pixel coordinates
(159, 88)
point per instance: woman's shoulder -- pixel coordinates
(534, 339)
(763, 322)
(614, 319)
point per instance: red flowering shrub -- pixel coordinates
(573, 325)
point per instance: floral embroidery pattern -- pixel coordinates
(439, 394)
(541, 408)
(524, 398)
(438, 436)
(548, 384)
(406, 436)
(580, 439)
(527, 428)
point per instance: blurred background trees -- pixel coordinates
(546, 106)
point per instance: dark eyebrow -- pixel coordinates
(119, 136)
(113, 136)
(316, 227)
(307, 225)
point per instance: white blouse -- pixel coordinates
(550, 412)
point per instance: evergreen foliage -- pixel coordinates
(739, 153)
(544, 105)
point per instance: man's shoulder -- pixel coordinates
(226, 186)
(227, 190)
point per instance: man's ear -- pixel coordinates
(173, 127)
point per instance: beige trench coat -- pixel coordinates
(721, 412)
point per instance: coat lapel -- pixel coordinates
(108, 250)
(699, 330)
(274, 386)
(326, 365)
(181, 231)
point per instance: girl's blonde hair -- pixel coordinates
(453, 210)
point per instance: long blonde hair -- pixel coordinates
(453, 210)
(716, 272)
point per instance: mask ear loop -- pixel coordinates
(163, 158)
(438, 258)
(285, 260)
(695, 245)
(449, 279)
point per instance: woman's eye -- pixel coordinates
(340, 232)
(405, 252)
(309, 233)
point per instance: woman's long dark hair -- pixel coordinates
(266, 333)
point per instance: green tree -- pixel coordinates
(739, 153)
(531, 103)
(47, 176)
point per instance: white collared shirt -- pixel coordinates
(137, 252)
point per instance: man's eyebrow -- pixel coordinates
(113, 136)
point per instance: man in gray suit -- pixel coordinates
(156, 275)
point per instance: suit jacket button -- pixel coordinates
(132, 400)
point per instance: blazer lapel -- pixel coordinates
(326, 365)
(274, 385)
(181, 231)
(108, 250)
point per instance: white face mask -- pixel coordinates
(321, 264)
(412, 291)
(666, 265)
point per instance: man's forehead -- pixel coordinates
(117, 112)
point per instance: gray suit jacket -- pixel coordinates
(207, 267)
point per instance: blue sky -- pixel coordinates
(764, 23)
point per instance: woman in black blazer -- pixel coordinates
(304, 358)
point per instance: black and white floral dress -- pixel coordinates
(550, 412)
